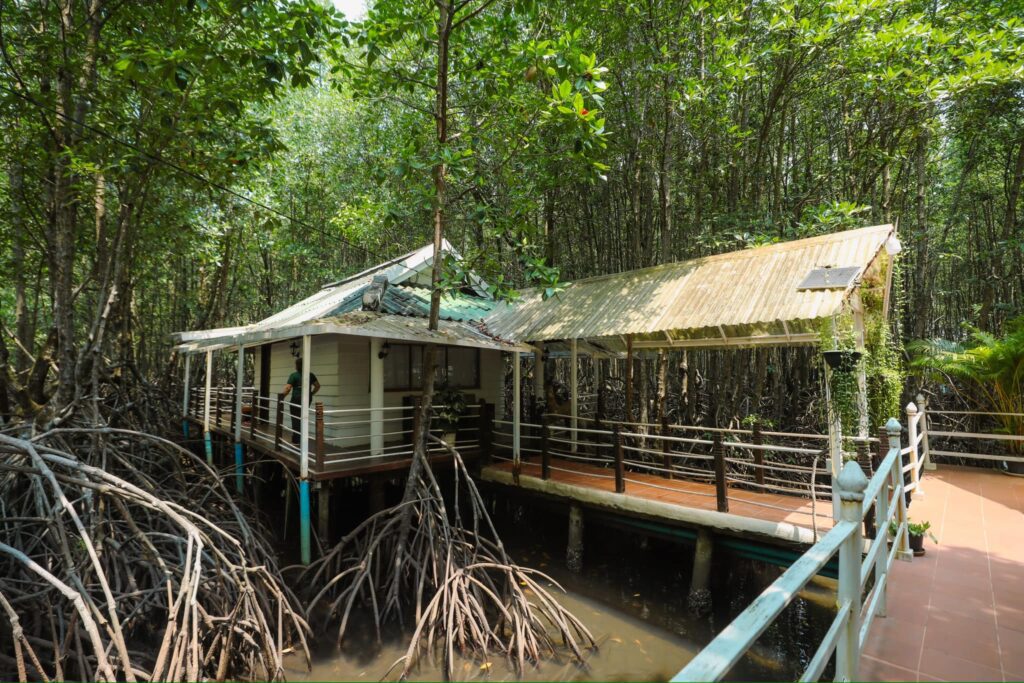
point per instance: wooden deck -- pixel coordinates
(957, 614)
(775, 517)
(337, 465)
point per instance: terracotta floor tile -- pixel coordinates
(937, 663)
(959, 640)
(872, 669)
(896, 642)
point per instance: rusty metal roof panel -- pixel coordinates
(742, 289)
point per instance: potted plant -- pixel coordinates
(916, 532)
(451, 405)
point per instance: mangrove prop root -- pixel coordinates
(123, 557)
(452, 575)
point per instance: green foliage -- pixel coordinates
(450, 406)
(914, 529)
(990, 365)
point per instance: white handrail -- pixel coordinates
(848, 632)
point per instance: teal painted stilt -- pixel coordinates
(239, 471)
(209, 447)
(184, 427)
(304, 520)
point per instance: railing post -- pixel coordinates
(892, 431)
(851, 484)
(620, 475)
(319, 443)
(666, 449)
(882, 513)
(874, 512)
(912, 420)
(721, 491)
(599, 412)
(219, 405)
(758, 438)
(545, 450)
(486, 430)
(922, 428)
(279, 425)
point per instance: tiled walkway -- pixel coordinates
(957, 614)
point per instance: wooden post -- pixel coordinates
(892, 430)
(279, 425)
(574, 391)
(207, 439)
(323, 513)
(851, 484)
(666, 449)
(236, 422)
(185, 395)
(758, 438)
(545, 452)
(517, 421)
(304, 502)
(376, 397)
(218, 406)
(320, 454)
(599, 413)
(485, 430)
(253, 415)
(629, 378)
(620, 475)
(721, 491)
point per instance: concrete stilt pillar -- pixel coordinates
(699, 600)
(378, 494)
(323, 511)
(574, 551)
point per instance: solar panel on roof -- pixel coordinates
(830, 278)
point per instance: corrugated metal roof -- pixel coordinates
(413, 300)
(750, 293)
(365, 324)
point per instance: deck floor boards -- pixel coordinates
(686, 493)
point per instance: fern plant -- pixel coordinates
(992, 366)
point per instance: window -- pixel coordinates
(456, 365)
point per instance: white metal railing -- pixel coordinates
(858, 567)
(921, 430)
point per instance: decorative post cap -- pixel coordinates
(911, 409)
(852, 482)
(893, 426)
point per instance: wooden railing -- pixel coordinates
(752, 459)
(863, 576)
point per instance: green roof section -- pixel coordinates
(414, 301)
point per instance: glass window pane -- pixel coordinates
(396, 367)
(463, 367)
(416, 364)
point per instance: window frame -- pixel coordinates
(443, 363)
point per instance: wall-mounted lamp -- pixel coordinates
(384, 350)
(545, 354)
(294, 346)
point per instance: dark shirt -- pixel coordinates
(295, 380)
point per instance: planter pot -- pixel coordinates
(917, 544)
(1015, 468)
(841, 361)
(449, 438)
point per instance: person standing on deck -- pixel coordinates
(294, 385)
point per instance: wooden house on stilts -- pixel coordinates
(363, 338)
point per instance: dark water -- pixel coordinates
(632, 595)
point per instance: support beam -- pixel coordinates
(574, 548)
(539, 381)
(699, 599)
(517, 417)
(206, 408)
(376, 397)
(184, 398)
(323, 513)
(304, 520)
(863, 425)
(574, 390)
(239, 382)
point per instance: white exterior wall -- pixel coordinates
(342, 365)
